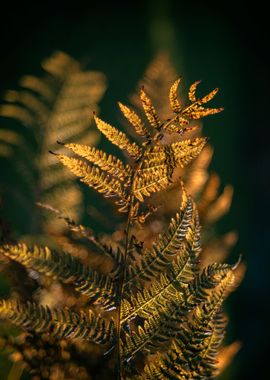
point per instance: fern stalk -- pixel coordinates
(134, 172)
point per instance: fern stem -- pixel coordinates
(163, 127)
(121, 283)
(170, 121)
(123, 272)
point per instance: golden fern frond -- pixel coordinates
(177, 292)
(206, 360)
(97, 287)
(166, 308)
(192, 91)
(94, 177)
(176, 154)
(166, 247)
(157, 80)
(168, 299)
(184, 115)
(109, 163)
(186, 150)
(195, 110)
(182, 359)
(61, 323)
(159, 163)
(149, 183)
(203, 316)
(175, 105)
(135, 121)
(118, 138)
(150, 110)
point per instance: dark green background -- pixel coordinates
(224, 44)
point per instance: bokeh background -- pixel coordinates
(225, 45)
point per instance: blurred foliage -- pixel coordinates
(55, 107)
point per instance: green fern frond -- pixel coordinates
(61, 323)
(66, 268)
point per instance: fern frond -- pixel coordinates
(192, 91)
(54, 107)
(29, 101)
(166, 308)
(95, 178)
(166, 247)
(195, 111)
(220, 206)
(135, 121)
(175, 105)
(38, 86)
(148, 183)
(109, 163)
(193, 339)
(205, 363)
(157, 79)
(22, 115)
(197, 174)
(186, 150)
(166, 287)
(97, 287)
(209, 96)
(159, 163)
(150, 110)
(115, 255)
(61, 323)
(118, 138)
(175, 154)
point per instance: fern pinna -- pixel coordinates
(155, 309)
